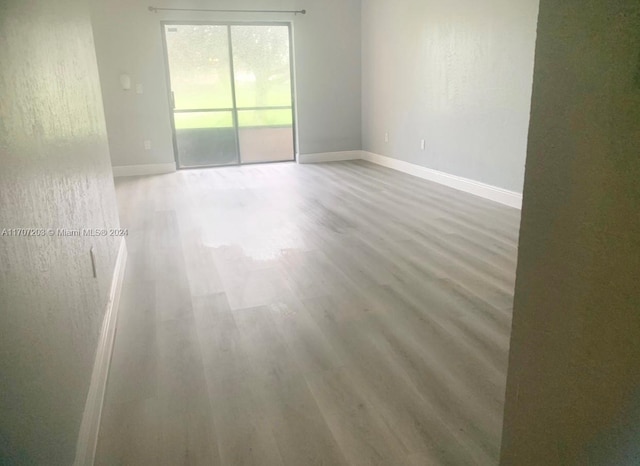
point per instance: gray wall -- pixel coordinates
(54, 173)
(573, 390)
(327, 58)
(455, 73)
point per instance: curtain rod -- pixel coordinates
(297, 12)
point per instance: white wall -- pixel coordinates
(455, 73)
(327, 66)
(573, 386)
(54, 173)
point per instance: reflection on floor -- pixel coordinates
(309, 314)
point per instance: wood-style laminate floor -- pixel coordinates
(301, 315)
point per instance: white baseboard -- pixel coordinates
(502, 196)
(90, 426)
(143, 170)
(330, 156)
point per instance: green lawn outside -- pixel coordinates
(278, 95)
(246, 118)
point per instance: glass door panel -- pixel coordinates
(231, 93)
(202, 94)
(206, 138)
(262, 70)
(265, 135)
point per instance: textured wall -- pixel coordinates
(327, 59)
(54, 173)
(573, 390)
(455, 73)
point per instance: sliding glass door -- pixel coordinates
(231, 93)
(261, 60)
